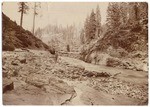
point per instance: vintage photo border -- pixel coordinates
(1, 103)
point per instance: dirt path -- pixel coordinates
(78, 86)
(86, 95)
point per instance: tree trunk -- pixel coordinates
(21, 19)
(34, 18)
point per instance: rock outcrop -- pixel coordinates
(115, 47)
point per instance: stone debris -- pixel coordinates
(34, 71)
(76, 72)
(14, 62)
(35, 75)
(115, 86)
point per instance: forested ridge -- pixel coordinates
(125, 36)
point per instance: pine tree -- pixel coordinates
(23, 8)
(87, 28)
(92, 26)
(82, 36)
(36, 6)
(113, 16)
(123, 13)
(98, 22)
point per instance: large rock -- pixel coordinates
(39, 92)
(37, 80)
(15, 62)
(8, 85)
(113, 62)
(22, 59)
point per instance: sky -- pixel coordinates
(60, 13)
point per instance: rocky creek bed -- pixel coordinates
(35, 78)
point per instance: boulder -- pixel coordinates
(58, 86)
(37, 80)
(15, 62)
(8, 85)
(5, 73)
(56, 93)
(113, 62)
(22, 59)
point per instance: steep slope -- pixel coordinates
(14, 36)
(125, 48)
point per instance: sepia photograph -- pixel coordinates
(75, 53)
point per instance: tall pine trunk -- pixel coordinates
(34, 18)
(21, 19)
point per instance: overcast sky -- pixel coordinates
(60, 13)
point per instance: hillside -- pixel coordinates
(16, 37)
(125, 48)
(124, 41)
